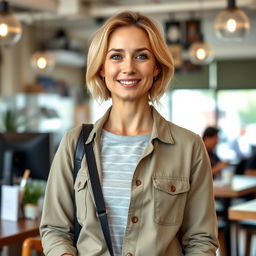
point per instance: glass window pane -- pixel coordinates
(193, 109)
(237, 121)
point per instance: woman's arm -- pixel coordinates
(199, 228)
(56, 226)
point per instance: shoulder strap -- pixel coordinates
(97, 192)
(79, 153)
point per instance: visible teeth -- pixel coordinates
(128, 82)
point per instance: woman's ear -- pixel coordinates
(157, 71)
(102, 72)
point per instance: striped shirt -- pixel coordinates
(119, 157)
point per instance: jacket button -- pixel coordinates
(135, 219)
(172, 188)
(79, 184)
(129, 254)
(138, 182)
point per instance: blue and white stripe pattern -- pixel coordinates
(119, 157)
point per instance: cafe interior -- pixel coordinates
(43, 95)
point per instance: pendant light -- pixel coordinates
(231, 23)
(43, 60)
(10, 27)
(200, 52)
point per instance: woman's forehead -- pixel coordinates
(128, 36)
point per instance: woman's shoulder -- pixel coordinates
(184, 137)
(74, 132)
(71, 136)
(176, 132)
(179, 131)
(186, 140)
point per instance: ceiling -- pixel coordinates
(80, 18)
(30, 10)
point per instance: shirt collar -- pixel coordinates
(161, 128)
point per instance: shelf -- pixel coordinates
(69, 58)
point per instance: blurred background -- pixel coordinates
(43, 64)
(221, 90)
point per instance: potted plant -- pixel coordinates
(32, 193)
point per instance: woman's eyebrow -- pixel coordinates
(115, 50)
(142, 49)
(122, 50)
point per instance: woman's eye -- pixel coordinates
(142, 57)
(115, 57)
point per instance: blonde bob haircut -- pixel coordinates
(98, 50)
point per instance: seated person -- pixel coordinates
(210, 138)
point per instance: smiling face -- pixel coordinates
(129, 67)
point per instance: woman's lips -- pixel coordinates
(129, 83)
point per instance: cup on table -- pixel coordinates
(227, 175)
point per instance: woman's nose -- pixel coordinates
(129, 67)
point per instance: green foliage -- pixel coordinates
(9, 120)
(12, 120)
(247, 114)
(33, 191)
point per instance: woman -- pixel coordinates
(156, 177)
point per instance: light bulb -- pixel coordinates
(200, 53)
(3, 30)
(43, 61)
(10, 27)
(232, 24)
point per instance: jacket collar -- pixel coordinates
(161, 129)
(97, 128)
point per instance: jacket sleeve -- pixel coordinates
(199, 228)
(56, 228)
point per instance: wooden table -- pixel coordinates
(241, 186)
(12, 232)
(243, 211)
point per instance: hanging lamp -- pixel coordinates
(43, 60)
(10, 27)
(200, 52)
(231, 23)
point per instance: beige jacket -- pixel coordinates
(171, 196)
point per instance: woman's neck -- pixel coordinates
(130, 119)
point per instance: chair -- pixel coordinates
(222, 238)
(248, 227)
(31, 244)
(250, 230)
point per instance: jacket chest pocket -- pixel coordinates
(170, 196)
(81, 190)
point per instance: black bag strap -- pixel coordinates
(97, 191)
(79, 153)
(81, 147)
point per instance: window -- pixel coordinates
(193, 109)
(196, 109)
(237, 121)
